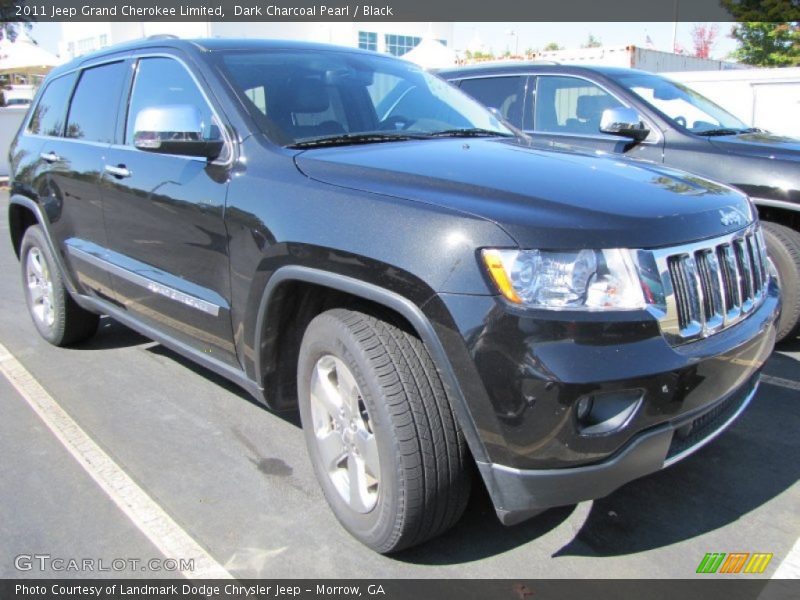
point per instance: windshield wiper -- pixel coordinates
(469, 132)
(354, 138)
(721, 131)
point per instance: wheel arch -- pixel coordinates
(22, 214)
(779, 211)
(345, 291)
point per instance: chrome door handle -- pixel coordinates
(119, 171)
(50, 157)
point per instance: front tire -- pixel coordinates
(55, 314)
(783, 247)
(383, 441)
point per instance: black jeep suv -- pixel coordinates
(341, 232)
(631, 112)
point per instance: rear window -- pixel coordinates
(48, 117)
(93, 111)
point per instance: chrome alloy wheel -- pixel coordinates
(345, 440)
(40, 287)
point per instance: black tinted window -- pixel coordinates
(48, 117)
(301, 96)
(93, 111)
(165, 82)
(502, 93)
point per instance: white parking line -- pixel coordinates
(145, 513)
(781, 382)
(790, 566)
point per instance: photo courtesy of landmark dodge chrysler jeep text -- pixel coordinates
(342, 233)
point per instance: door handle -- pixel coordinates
(120, 171)
(50, 157)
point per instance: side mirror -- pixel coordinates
(174, 129)
(624, 122)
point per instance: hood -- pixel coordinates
(761, 144)
(543, 199)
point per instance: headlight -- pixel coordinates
(579, 279)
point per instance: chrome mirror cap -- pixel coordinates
(174, 129)
(625, 122)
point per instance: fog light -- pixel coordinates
(604, 413)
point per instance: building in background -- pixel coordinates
(391, 38)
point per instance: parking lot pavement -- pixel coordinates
(235, 478)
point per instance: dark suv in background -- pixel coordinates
(341, 232)
(638, 114)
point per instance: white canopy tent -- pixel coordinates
(24, 57)
(431, 54)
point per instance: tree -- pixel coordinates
(10, 23)
(552, 46)
(592, 42)
(767, 44)
(763, 11)
(10, 29)
(478, 56)
(703, 37)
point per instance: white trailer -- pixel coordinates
(764, 98)
(10, 120)
(633, 57)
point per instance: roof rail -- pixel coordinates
(162, 36)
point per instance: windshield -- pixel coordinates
(298, 96)
(682, 105)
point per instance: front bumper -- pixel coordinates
(523, 375)
(520, 494)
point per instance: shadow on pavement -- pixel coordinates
(479, 534)
(747, 466)
(291, 417)
(112, 334)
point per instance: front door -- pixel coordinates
(566, 111)
(164, 216)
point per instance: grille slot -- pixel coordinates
(714, 284)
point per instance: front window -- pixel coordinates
(297, 96)
(682, 105)
(570, 105)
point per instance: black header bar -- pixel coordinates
(700, 588)
(400, 10)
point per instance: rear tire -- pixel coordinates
(418, 485)
(783, 247)
(55, 314)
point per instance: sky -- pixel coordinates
(499, 37)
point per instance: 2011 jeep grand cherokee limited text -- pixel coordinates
(343, 233)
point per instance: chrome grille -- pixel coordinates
(711, 285)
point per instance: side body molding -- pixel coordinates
(410, 311)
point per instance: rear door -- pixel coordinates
(72, 154)
(164, 216)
